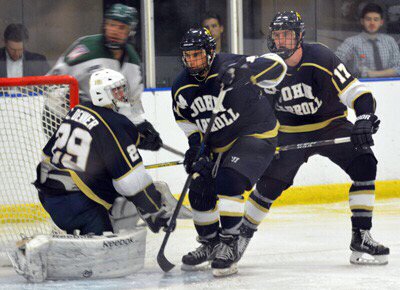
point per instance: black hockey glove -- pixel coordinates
(226, 75)
(228, 72)
(190, 156)
(364, 127)
(203, 167)
(150, 139)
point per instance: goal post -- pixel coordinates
(31, 109)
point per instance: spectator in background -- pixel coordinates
(213, 23)
(15, 61)
(370, 53)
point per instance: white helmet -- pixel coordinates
(109, 87)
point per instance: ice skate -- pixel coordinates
(226, 256)
(200, 258)
(246, 233)
(366, 251)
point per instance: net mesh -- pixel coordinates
(29, 115)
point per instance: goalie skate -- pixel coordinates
(366, 251)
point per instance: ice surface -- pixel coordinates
(296, 247)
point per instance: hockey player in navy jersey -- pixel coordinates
(241, 144)
(92, 159)
(311, 104)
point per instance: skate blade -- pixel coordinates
(358, 258)
(192, 268)
(233, 269)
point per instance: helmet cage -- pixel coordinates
(198, 39)
(109, 88)
(286, 21)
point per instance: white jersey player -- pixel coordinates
(111, 50)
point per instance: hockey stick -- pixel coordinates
(172, 150)
(312, 144)
(162, 261)
(165, 164)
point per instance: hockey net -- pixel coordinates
(31, 109)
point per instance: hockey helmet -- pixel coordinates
(125, 14)
(109, 88)
(198, 39)
(288, 20)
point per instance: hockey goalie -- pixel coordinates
(93, 184)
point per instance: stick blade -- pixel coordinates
(164, 264)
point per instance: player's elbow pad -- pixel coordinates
(133, 182)
(272, 75)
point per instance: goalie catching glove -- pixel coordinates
(364, 127)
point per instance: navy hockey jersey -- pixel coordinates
(245, 110)
(93, 146)
(315, 92)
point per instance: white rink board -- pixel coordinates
(158, 108)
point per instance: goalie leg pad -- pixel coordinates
(170, 202)
(123, 215)
(64, 257)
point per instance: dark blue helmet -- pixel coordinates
(197, 39)
(288, 20)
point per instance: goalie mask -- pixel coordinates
(126, 15)
(286, 33)
(109, 88)
(198, 49)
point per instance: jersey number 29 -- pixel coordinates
(72, 147)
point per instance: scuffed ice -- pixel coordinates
(297, 247)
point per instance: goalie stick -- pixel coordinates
(162, 261)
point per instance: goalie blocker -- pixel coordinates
(61, 257)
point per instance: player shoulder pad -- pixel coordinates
(86, 48)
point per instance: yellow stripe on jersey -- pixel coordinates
(130, 170)
(86, 190)
(198, 131)
(184, 87)
(359, 95)
(341, 91)
(211, 76)
(317, 66)
(253, 79)
(82, 186)
(269, 134)
(309, 127)
(149, 197)
(112, 133)
(265, 135)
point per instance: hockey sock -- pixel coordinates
(256, 209)
(361, 200)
